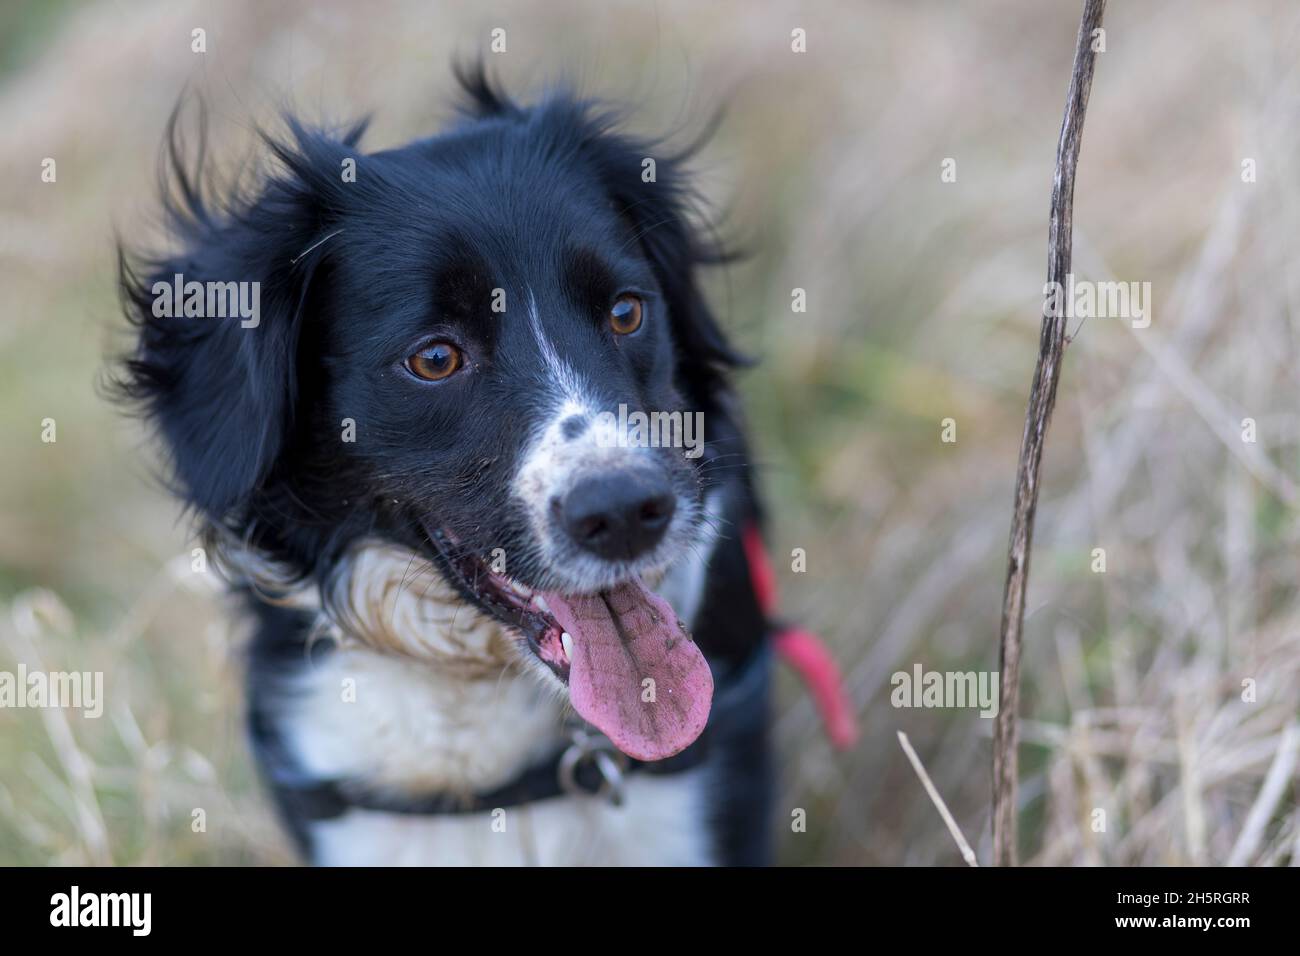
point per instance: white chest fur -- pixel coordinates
(456, 709)
(401, 727)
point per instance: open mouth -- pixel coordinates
(632, 668)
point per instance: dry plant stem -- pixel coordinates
(967, 853)
(1042, 399)
(1270, 795)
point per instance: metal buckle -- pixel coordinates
(609, 761)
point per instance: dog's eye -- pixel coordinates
(435, 362)
(625, 314)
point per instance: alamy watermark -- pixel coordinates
(208, 300)
(83, 690)
(133, 911)
(1098, 300)
(651, 430)
(946, 689)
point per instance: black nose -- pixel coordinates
(619, 515)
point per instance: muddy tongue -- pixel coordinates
(621, 638)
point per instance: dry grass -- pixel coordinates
(923, 304)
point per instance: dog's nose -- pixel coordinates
(618, 516)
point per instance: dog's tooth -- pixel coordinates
(567, 643)
(519, 589)
(541, 603)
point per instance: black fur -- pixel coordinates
(547, 201)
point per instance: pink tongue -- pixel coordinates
(635, 672)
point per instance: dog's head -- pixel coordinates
(489, 347)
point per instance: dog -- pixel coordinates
(497, 617)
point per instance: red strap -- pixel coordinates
(809, 657)
(803, 651)
(760, 571)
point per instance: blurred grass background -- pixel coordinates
(923, 303)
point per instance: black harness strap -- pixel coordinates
(326, 800)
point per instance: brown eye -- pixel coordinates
(435, 362)
(625, 315)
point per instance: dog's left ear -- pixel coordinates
(220, 383)
(652, 191)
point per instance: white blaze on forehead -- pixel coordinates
(555, 460)
(568, 385)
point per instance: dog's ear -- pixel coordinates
(220, 384)
(481, 95)
(651, 190)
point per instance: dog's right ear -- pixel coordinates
(218, 322)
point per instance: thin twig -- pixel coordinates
(967, 853)
(1270, 795)
(1042, 399)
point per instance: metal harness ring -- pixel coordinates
(609, 761)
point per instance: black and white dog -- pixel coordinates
(453, 437)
